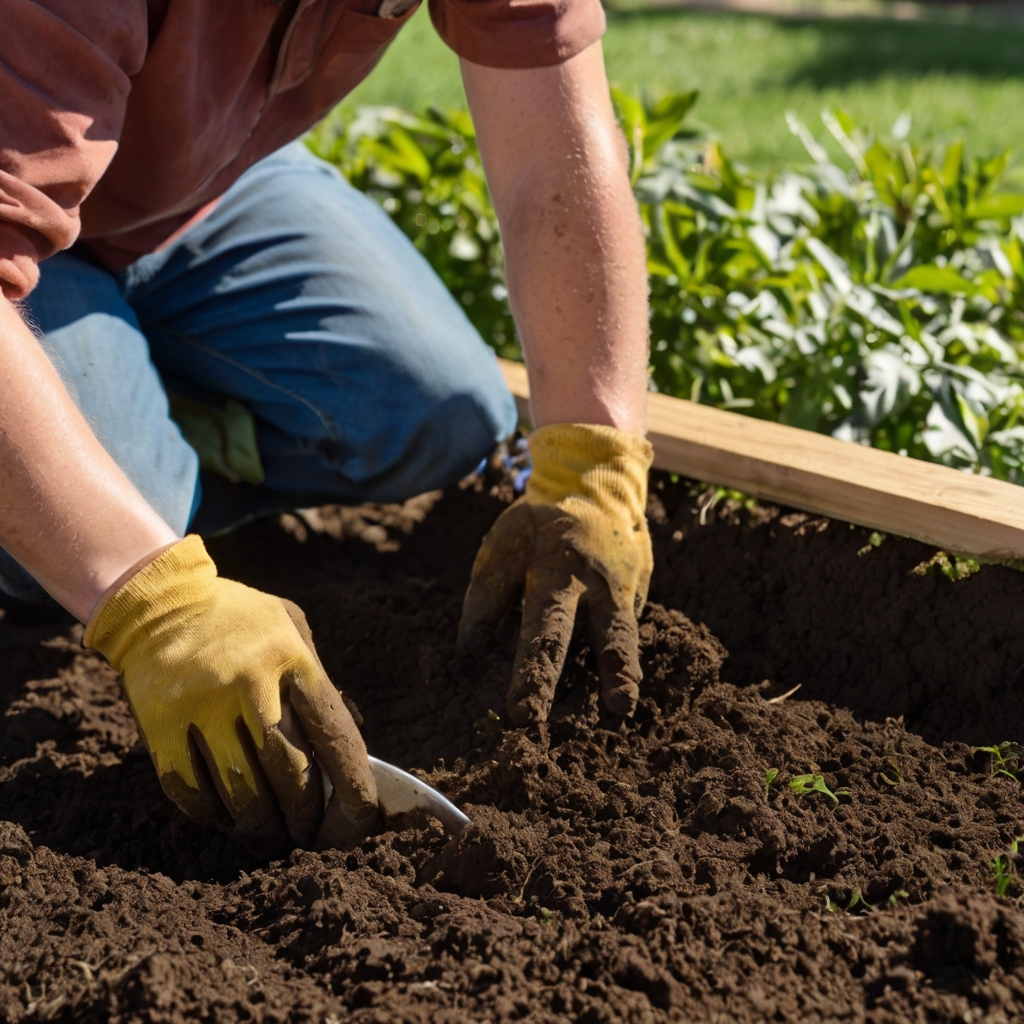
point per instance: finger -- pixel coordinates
(552, 597)
(202, 802)
(298, 617)
(614, 638)
(498, 574)
(643, 581)
(352, 812)
(288, 762)
(353, 708)
(256, 819)
(323, 715)
(301, 623)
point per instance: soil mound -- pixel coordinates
(842, 854)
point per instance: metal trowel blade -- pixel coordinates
(401, 793)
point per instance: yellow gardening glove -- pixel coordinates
(578, 534)
(234, 706)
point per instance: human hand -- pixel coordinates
(578, 534)
(234, 705)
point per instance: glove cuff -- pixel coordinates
(600, 464)
(177, 576)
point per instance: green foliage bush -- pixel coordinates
(880, 302)
(425, 171)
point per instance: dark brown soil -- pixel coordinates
(636, 871)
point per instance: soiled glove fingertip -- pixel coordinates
(472, 639)
(622, 700)
(340, 831)
(530, 711)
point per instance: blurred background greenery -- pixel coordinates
(835, 224)
(956, 77)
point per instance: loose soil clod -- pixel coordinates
(645, 870)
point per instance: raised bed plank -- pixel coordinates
(958, 512)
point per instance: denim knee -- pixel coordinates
(300, 298)
(439, 429)
(455, 434)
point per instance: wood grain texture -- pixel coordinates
(958, 512)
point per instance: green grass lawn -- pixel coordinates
(954, 79)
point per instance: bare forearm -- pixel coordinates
(577, 282)
(574, 247)
(67, 512)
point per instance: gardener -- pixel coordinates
(155, 239)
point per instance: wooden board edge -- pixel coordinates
(957, 512)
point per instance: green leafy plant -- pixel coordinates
(649, 125)
(879, 300)
(769, 777)
(804, 784)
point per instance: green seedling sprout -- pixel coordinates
(708, 496)
(804, 784)
(890, 775)
(1004, 869)
(1005, 759)
(769, 777)
(953, 567)
(1003, 877)
(857, 902)
(874, 541)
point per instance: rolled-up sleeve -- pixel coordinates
(518, 33)
(65, 76)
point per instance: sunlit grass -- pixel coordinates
(955, 79)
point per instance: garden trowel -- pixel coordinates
(402, 793)
(399, 793)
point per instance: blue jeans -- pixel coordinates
(299, 298)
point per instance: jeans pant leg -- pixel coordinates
(298, 297)
(93, 339)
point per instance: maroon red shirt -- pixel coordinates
(120, 119)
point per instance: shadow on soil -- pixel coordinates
(800, 600)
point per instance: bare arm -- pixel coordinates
(193, 648)
(67, 512)
(557, 169)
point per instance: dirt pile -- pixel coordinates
(721, 857)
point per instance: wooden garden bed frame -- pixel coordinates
(958, 512)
